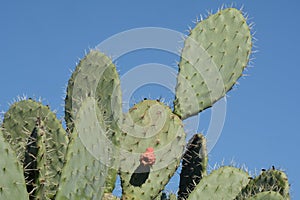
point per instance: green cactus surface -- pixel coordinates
(40, 160)
(213, 58)
(12, 181)
(270, 180)
(42, 191)
(267, 196)
(150, 124)
(224, 183)
(96, 76)
(35, 164)
(194, 164)
(85, 171)
(19, 123)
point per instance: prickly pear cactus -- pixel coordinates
(213, 58)
(40, 160)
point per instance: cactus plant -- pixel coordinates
(40, 160)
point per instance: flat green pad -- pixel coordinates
(12, 181)
(270, 180)
(19, 122)
(150, 124)
(85, 171)
(224, 183)
(213, 58)
(95, 76)
(267, 196)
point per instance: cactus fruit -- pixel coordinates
(149, 124)
(213, 58)
(148, 158)
(12, 181)
(194, 164)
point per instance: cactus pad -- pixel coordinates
(224, 183)
(96, 76)
(213, 58)
(19, 122)
(270, 180)
(149, 124)
(85, 171)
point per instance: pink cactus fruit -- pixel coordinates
(148, 158)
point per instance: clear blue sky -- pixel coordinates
(42, 40)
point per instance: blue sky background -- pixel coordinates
(40, 41)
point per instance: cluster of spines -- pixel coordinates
(194, 164)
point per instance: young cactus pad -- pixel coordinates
(213, 58)
(149, 124)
